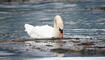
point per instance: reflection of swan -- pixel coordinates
(46, 31)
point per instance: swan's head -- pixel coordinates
(59, 25)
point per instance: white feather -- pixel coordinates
(39, 31)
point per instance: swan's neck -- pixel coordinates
(56, 31)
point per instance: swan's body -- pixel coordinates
(39, 31)
(46, 31)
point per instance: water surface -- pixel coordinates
(80, 20)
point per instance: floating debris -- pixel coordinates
(7, 34)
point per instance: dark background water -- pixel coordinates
(80, 20)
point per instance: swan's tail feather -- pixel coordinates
(28, 27)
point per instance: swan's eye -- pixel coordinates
(61, 30)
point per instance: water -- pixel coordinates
(79, 21)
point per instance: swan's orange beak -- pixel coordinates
(61, 35)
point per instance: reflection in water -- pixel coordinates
(49, 48)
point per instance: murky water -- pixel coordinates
(80, 20)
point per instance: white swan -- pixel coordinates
(46, 31)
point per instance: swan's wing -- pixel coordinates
(45, 31)
(28, 27)
(39, 31)
(30, 30)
